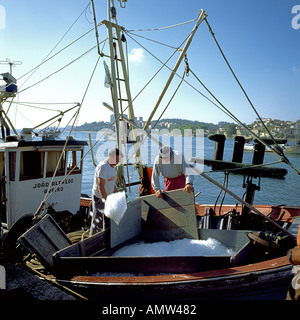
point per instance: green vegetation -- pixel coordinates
(278, 128)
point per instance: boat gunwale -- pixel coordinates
(213, 275)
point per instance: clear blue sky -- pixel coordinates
(256, 36)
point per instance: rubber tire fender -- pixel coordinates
(10, 241)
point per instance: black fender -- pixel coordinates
(11, 246)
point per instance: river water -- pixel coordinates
(284, 191)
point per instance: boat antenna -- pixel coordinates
(111, 9)
(11, 64)
(122, 3)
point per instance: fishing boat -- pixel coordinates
(249, 146)
(292, 149)
(258, 235)
(289, 148)
(257, 271)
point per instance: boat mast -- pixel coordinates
(202, 15)
(120, 88)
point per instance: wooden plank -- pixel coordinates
(177, 199)
(91, 246)
(169, 218)
(55, 235)
(86, 202)
(233, 239)
(243, 168)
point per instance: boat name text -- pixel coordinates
(54, 184)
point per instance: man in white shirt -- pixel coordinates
(104, 185)
(173, 167)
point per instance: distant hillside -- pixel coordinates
(93, 126)
(278, 128)
(163, 123)
(179, 123)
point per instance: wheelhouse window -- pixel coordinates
(39, 163)
(54, 158)
(12, 165)
(69, 161)
(31, 165)
(73, 161)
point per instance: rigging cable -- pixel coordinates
(224, 194)
(225, 110)
(225, 184)
(237, 80)
(277, 148)
(62, 68)
(165, 65)
(164, 28)
(48, 193)
(58, 52)
(232, 116)
(44, 60)
(155, 41)
(168, 104)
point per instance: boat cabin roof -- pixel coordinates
(41, 143)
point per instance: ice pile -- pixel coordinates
(183, 247)
(115, 206)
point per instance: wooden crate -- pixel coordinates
(44, 239)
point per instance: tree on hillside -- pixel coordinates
(230, 130)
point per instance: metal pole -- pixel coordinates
(114, 83)
(95, 26)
